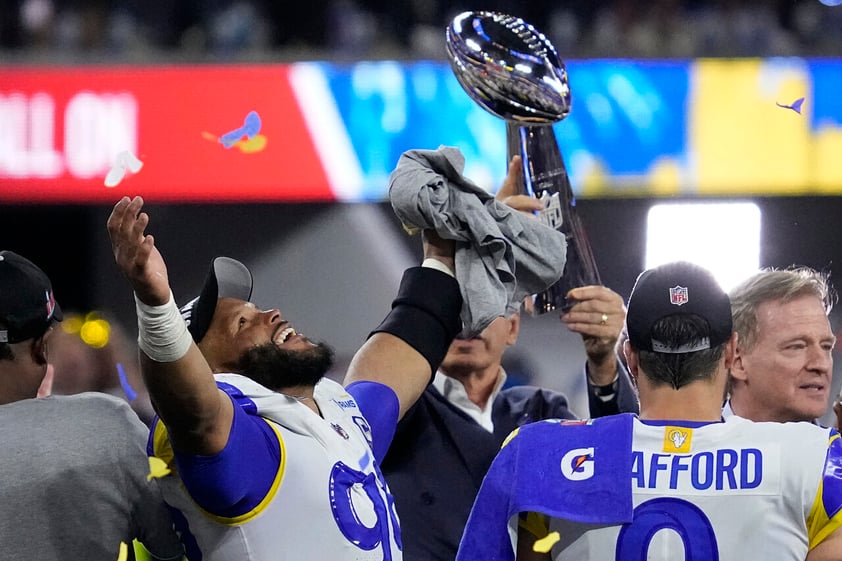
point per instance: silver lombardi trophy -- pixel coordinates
(514, 72)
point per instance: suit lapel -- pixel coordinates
(475, 445)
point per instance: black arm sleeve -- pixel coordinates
(618, 397)
(425, 313)
(602, 400)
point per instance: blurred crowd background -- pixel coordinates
(195, 30)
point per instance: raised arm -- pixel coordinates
(406, 349)
(180, 382)
(599, 316)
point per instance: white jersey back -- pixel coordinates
(735, 490)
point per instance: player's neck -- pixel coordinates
(697, 402)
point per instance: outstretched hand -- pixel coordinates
(135, 252)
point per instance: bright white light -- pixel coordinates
(831, 2)
(722, 237)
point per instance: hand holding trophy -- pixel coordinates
(513, 71)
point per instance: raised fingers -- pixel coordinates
(511, 185)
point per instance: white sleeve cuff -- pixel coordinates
(438, 265)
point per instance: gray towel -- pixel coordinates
(502, 255)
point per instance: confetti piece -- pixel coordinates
(124, 552)
(250, 128)
(131, 395)
(795, 106)
(545, 544)
(157, 468)
(125, 161)
(142, 554)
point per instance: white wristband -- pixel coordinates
(161, 332)
(438, 265)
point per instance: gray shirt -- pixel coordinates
(502, 255)
(74, 482)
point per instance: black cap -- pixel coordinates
(677, 288)
(227, 278)
(27, 304)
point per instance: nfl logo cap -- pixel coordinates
(679, 288)
(227, 278)
(27, 304)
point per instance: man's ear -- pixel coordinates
(731, 350)
(38, 349)
(738, 369)
(631, 362)
(514, 328)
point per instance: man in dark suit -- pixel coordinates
(446, 442)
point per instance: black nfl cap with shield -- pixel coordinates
(680, 287)
(27, 304)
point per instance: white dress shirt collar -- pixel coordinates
(454, 391)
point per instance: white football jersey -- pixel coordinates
(328, 500)
(735, 490)
(617, 488)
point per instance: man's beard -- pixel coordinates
(277, 368)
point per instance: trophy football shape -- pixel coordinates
(513, 71)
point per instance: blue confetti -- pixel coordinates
(251, 126)
(796, 105)
(124, 381)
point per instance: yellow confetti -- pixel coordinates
(124, 552)
(534, 523)
(157, 468)
(545, 544)
(141, 553)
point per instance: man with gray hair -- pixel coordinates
(783, 366)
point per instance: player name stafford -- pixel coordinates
(736, 471)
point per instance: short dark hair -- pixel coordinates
(680, 369)
(6, 352)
